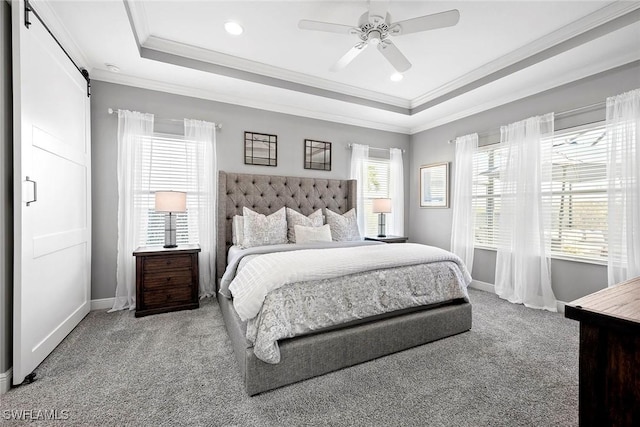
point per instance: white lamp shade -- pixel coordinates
(171, 201)
(381, 205)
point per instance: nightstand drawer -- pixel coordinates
(167, 278)
(158, 263)
(168, 297)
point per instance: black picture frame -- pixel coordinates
(260, 149)
(317, 155)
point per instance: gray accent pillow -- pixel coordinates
(344, 228)
(296, 218)
(261, 230)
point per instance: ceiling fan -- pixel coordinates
(375, 27)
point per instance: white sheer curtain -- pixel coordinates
(523, 273)
(358, 171)
(463, 225)
(203, 158)
(396, 192)
(623, 174)
(133, 129)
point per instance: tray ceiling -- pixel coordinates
(497, 53)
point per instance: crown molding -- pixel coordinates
(139, 82)
(566, 78)
(48, 15)
(574, 29)
(138, 19)
(200, 54)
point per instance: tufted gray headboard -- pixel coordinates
(266, 194)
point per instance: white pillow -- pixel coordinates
(261, 230)
(296, 218)
(312, 234)
(344, 228)
(237, 230)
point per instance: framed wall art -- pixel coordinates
(317, 155)
(434, 185)
(260, 149)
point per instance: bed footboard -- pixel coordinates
(309, 356)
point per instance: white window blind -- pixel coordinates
(167, 164)
(578, 190)
(377, 187)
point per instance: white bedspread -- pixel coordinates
(271, 271)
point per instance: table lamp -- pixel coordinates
(170, 202)
(381, 207)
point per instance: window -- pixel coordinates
(578, 191)
(168, 164)
(377, 187)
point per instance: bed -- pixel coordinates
(330, 349)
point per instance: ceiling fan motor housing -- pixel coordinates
(374, 29)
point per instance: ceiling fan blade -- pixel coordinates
(425, 23)
(394, 56)
(349, 56)
(328, 27)
(378, 11)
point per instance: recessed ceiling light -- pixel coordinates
(112, 68)
(396, 77)
(233, 28)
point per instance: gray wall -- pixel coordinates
(6, 191)
(291, 131)
(570, 279)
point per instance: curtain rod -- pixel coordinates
(561, 114)
(349, 146)
(114, 110)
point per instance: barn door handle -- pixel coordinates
(35, 191)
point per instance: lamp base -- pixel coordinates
(381, 225)
(170, 231)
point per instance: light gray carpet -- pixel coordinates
(516, 367)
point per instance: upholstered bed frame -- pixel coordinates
(312, 355)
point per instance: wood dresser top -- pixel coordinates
(618, 302)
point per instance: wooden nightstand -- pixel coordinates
(166, 279)
(388, 239)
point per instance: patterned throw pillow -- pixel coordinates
(313, 234)
(261, 230)
(344, 228)
(296, 218)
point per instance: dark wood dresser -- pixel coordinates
(166, 279)
(609, 355)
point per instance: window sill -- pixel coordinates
(558, 257)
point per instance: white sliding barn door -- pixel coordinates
(52, 158)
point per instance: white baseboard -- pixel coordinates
(5, 381)
(560, 306)
(483, 286)
(488, 287)
(102, 304)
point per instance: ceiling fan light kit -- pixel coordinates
(375, 28)
(233, 28)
